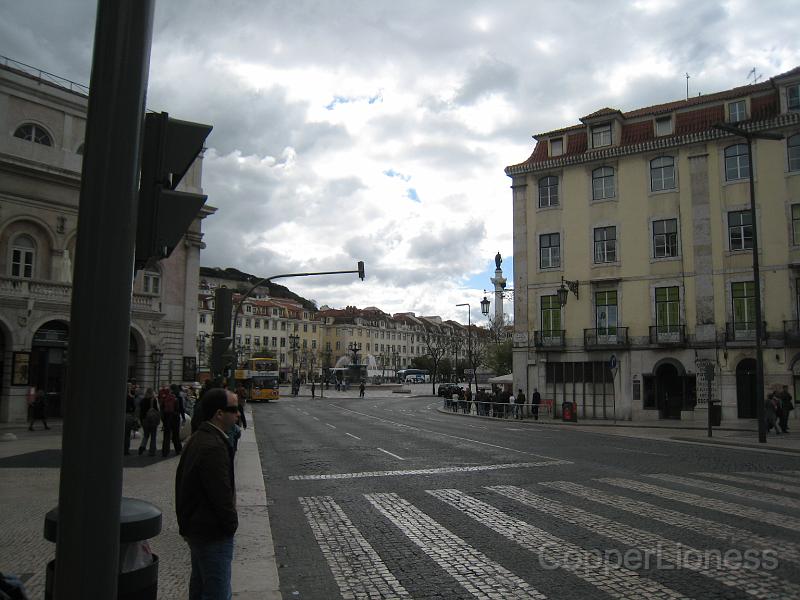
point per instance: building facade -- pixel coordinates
(42, 126)
(645, 214)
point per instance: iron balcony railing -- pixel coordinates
(667, 335)
(744, 331)
(791, 332)
(553, 338)
(605, 337)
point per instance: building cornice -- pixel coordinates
(784, 120)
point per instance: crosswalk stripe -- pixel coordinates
(771, 485)
(712, 564)
(772, 476)
(436, 471)
(554, 552)
(742, 537)
(728, 489)
(473, 570)
(358, 570)
(731, 508)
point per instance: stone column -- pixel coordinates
(519, 188)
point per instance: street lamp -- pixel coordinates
(293, 345)
(567, 287)
(469, 341)
(750, 136)
(485, 305)
(156, 355)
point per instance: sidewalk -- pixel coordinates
(29, 477)
(786, 442)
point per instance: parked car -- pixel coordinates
(446, 390)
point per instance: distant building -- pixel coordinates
(42, 126)
(647, 211)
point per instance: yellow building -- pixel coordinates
(646, 215)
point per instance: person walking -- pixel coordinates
(150, 419)
(205, 497)
(170, 420)
(131, 422)
(38, 409)
(520, 399)
(361, 388)
(771, 412)
(313, 390)
(786, 407)
(536, 400)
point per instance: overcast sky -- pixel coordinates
(379, 130)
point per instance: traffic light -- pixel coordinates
(219, 353)
(169, 148)
(361, 270)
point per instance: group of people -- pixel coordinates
(494, 403)
(777, 407)
(147, 410)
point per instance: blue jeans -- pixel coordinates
(211, 570)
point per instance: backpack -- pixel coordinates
(168, 404)
(151, 417)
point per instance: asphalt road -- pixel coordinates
(387, 498)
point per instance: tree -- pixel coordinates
(477, 348)
(499, 357)
(437, 348)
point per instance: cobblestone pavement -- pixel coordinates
(387, 498)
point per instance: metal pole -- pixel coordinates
(762, 430)
(90, 489)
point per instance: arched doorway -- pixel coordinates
(669, 386)
(746, 389)
(49, 363)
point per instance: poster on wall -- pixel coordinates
(189, 368)
(20, 369)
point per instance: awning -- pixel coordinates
(509, 379)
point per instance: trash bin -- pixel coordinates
(568, 412)
(138, 521)
(715, 413)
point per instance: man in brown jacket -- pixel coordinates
(205, 497)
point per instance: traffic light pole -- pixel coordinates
(90, 488)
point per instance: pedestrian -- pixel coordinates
(786, 407)
(150, 418)
(520, 400)
(771, 412)
(131, 422)
(313, 390)
(468, 400)
(536, 400)
(170, 420)
(205, 497)
(38, 409)
(361, 390)
(454, 400)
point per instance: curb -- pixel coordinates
(736, 444)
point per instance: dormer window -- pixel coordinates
(793, 97)
(737, 111)
(664, 126)
(601, 135)
(557, 147)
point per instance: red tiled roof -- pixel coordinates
(602, 112)
(636, 133)
(577, 143)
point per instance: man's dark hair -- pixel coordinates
(213, 400)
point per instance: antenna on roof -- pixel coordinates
(753, 74)
(687, 86)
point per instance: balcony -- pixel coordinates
(61, 293)
(553, 338)
(744, 331)
(605, 337)
(791, 332)
(668, 335)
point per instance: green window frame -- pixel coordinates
(743, 294)
(606, 312)
(668, 309)
(551, 316)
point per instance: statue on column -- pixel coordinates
(498, 260)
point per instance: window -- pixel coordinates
(257, 323)
(338, 345)
(238, 322)
(247, 340)
(548, 192)
(664, 126)
(736, 162)
(551, 316)
(662, 173)
(23, 251)
(793, 150)
(248, 308)
(283, 342)
(601, 136)
(557, 147)
(740, 230)
(668, 309)
(793, 97)
(665, 238)
(603, 183)
(314, 345)
(256, 341)
(605, 244)
(314, 329)
(744, 305)
(305, 328)
(283, 325)
(274, 342)
(247, 322)
(796, 224)
(33, 133)
(275, 312)
(151, 282)
(606, 312)
(202, 317)
(737, 111)
(549, 250)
